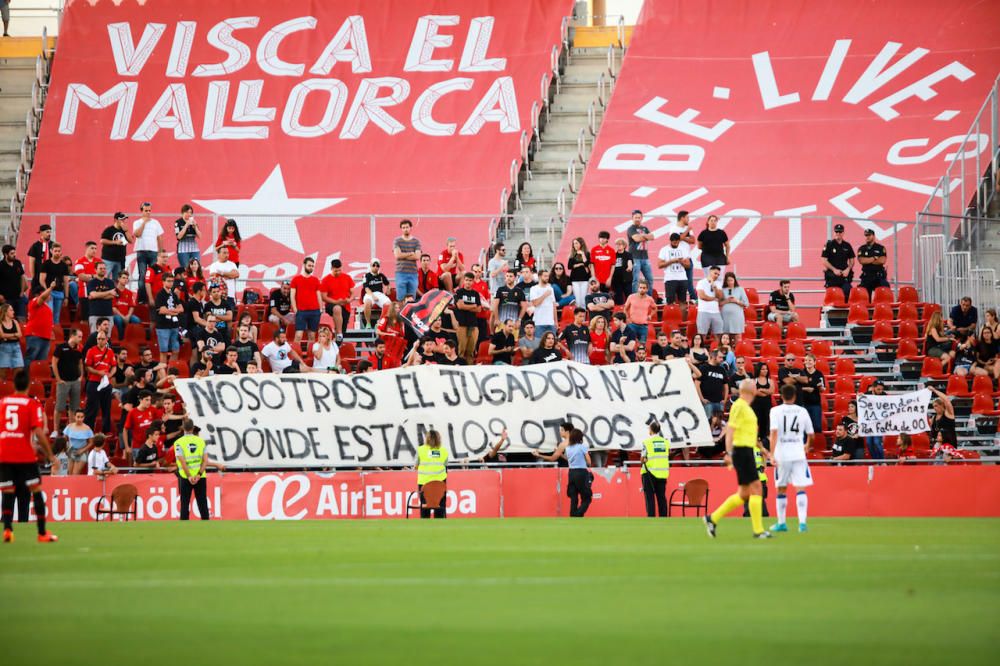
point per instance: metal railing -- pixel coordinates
(946, 276)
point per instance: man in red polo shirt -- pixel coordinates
(306, 289)
(337, 289)
(427, 279)
(100, 363)
(603, 258)
(85, 269)
(154, 275)
(137, 423)
(451, 264)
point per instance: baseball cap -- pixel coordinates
(45, 227)
(121, 216)
(878, 382)
(869, 232)
(838, 228)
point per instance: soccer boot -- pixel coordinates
(803, 527)
(709, 526)
(48, 537)
(8, 536)
(762, 535)
(779, 527)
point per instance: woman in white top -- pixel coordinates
(734, 300)
(326, 354)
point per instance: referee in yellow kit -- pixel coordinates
(741, 438)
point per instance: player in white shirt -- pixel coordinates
(791, 439)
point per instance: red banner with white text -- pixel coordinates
(967, 490)
(765, 113)
(252, 108)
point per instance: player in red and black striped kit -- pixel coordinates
(20, 418)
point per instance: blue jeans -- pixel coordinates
(115, 269)
(691, 292)
(641, 269)
(36, 349)
(640, 330)
(711, 408)
(74, 292)
(562, 299)
(816, 416)
(875, 449)
(56, 301)
(542, 329)
(120, 324)
(185, 258)
(143, 260)
(169, 340)
(406, 285)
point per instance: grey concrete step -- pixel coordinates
(12, 132)
(17, 80)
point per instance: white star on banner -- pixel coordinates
(257, 215)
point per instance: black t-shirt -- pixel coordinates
(577, 339)
(280, 302)
(509, 301)
(441, 359)
(114, 253)
(713, 381)
(376, 282)
(219, 310)
(222, 369)
(10, 280)
(468, 297)
(68, 361)
(541, 355)
(734, 383)
(623, 337)
(192, 307)
(784, 372)
(172, 426)
(713, 242)
(178, 225)
(440, 336)
(244, 352)
(211, 338)
(874, 250)
(817, 382)
(100, 307)
(780, 301)
(622, 275)
(598, 299)
(838, 253)
(166, 299)
(637, 248)
(841, 446)
(851, 426)
(40, 253)
(659, 352)
(579, 269)
(502, 340)
(144, 455)
(55, 271)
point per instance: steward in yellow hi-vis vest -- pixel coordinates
(192, 464)
(655, 470)
(432, 461)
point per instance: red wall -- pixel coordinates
(968, 490)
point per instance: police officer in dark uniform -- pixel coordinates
(872, 258)
(838, 262)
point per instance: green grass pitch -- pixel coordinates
(544, 591)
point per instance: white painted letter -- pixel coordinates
(682, 123)
(246, 110)
(623, 157)
(367, 106)
(922, 89)
(290, 119)
(422, 116)
(874, 78)
(171, 111)
(267, 50)
(477, 43)
(221, 37)
(425, 40)
(351, 32)
(766, 83)
(896, 158)
(123, 94)
(129, 58)
(180, 51)
(498, 105)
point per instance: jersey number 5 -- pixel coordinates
(11, 418)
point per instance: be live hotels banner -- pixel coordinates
(893, 414)
(375, 419)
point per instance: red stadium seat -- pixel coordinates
(982, 404)
(883, 295)
(797, 347)
(858, 314)
(822, 348)
(752, 296)
(672, 318)
(834, 298)
(883, 312)
(982, 384)
(845, 386)
(859, 295)
(908, 312)
(908, 328)
(932, 368)
(958, 386)
(866, 383)
(908, 294)
(844, 367)
(750, 331)
(908, 349)
(745, 348)
(929, 309)
(883, 332)
(841, 402)
(40, 371)
(795, 331)
(770, 349)
(771, 331)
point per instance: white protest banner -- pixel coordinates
(893, 414)
(379, 419)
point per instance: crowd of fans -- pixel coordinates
(602, 305)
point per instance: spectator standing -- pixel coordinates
(543, 303)
(67, 368)
(683, 227)
(38, 328)
(528, 342)
(483, 289)
(468, 304)
(305, 296)
(599, 340)
(39, 252)
(78, 442)
(509, 301)
(964, 317)
(84, 269)
(525, 257)
(598, 303)
(838, 262)
(850, 423)
(714, 245)
(713, 385)
(192, 465)
(709, 297)
(811, 393)
(114, 241)
(789, 374)
(874, 443)
(103, 326)
(782, 304)
(640, 309)
(10, 342)
(55, 274)
(187, 233)
(761, 404)
(734, 304)
(427, 278)
(580, 270)
(527, 279)
(575, 338)
(148, 243)
(154, 276)
(194, 309)
(101, 293)
(624, 270)
(279, 354)
(451, 264)
(247, 351)
(943, 417)
(98, 463)
(623, 341)
(497, 267)
(638, 239)
(229, 238)
(138, 422)
(338, 287)
(326, 353)
(602, 256)
(374, 285)
(100, 363)
(872, 257)
(279, 306)
(580, 477)
(168, 309)
(211, 338)
(674, 259)
(13, 284)
(503, 345)
(222, 273)
(406, 249)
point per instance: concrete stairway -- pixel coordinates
(546, 195)
(17, 75)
